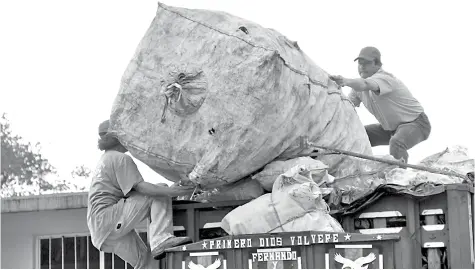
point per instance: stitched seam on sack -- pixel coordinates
(275, 213)
(215, 176)
(252, 44)
(344, 98)
(326, 126)
(292, 218)
(169, 160)
(333, 116)
(258, 46)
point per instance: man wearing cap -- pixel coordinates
(402, 121)
(119, 199)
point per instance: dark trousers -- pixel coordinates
(405, 137)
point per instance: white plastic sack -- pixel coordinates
(295, 204)
(317, 220)
(272, 171)
(213, 97)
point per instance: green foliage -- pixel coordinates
(81, 171)
(21, 161)
(25, 171)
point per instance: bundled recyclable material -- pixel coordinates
(453, 159)
(295, 204)
(271, 171)
(212, 98)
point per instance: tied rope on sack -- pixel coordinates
(169, 92)
(293, 176)
(185, 91)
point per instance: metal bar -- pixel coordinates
(381, 214)
(327, 261)
(190, 225)
(87, 251)
(212, 225)
(62, 252)
(199, 254)
(75, 254)
(49, 252)
(460, 246)
(101, 260)
(392, 162)
(38, 253)
(433, 254)
(379, 223)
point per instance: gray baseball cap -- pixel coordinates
(369, 53)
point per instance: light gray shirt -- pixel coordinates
(393, 105)
(114, 177)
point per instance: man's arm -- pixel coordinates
(353, 97)
(153, 190)
(127, 173)
(129, 178)
(359, 85)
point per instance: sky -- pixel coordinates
(62, 61)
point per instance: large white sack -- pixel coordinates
(317, 220)
(219, 97)
(294, 202)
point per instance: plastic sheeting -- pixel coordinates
(453, 159)
(418, 191)
(410, 181)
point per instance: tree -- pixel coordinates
(81, 171)
(25, 171)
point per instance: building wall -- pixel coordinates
(20, 231)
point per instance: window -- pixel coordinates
(77, 252)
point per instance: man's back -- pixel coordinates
(114, 177)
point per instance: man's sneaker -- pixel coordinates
(159, 252)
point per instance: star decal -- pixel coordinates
(183, 248)
(205, 245)
(379, 237)
(347, 237)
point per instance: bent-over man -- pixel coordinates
(402, 121)
(119, 199)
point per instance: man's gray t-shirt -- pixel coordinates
(114, 177)
(394, 105)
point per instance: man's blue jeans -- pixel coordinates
(405, 137)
